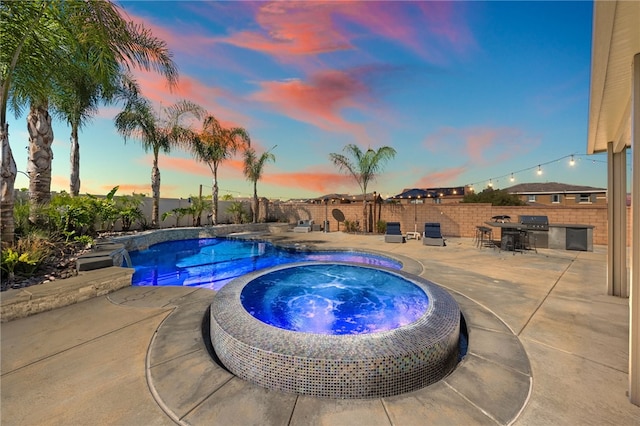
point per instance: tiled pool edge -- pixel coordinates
(349, 366)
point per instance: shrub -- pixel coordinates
(129, 210)
(178, 212)
(68, 216)
(237, 212)
(381, 227)
(351, 226)
(85, 240)
(21, 216)
(29, 253)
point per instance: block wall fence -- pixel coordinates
(456, 220)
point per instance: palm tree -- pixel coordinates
(214, 145)
(41, 40)
(198, 206)
(79, 100)
(253, 167)
(363, 166)
(158, 133)
(77, 105)
(27, 53)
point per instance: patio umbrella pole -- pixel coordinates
(415, 215)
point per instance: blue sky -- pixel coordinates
(466, 92)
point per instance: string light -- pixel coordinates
(572, 162)
(490, 183)
(537, 168)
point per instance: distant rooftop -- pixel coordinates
(551, 188)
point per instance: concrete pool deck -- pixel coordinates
(547, 346)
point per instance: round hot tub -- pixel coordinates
(336, 330)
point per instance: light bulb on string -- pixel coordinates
(572, 162)
(490, 185)
(539, 170)
(512, 178)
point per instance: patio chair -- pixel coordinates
(432, 235)
(303, 226)
(393, 234)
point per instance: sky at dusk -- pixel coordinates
(466, 92)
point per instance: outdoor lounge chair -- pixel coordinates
(432, 235)
(303, 226)
(393, 235)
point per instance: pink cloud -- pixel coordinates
(441, 178)
(184, 165)
(130, 188)
(309, 181)
(186, 40)
(310, 28)
(153, 87)
(448, 23)
(293, 28)
(318, 101)
(481, 145)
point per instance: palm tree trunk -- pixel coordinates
(74, 180)
(40, 157)
(365, 217)
(214, 196)
(8, 174)
(155, 190)
(255, 202)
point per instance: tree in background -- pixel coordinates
(495, 197)
(253, 168)
(215, 144)
(362, 166)
(158, 133)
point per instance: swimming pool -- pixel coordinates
(213, 262)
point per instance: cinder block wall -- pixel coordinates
(456, 220)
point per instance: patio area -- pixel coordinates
(546, 346)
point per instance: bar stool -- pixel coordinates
(484, 236)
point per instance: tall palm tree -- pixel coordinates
(79, 100)
(363, 166)
(41, 40)
(158, 133)
(253, 168)
(214, 145)
(106, 47)
(27, 52)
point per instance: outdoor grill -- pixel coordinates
(538, 229)
(537, 223)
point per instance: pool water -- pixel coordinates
(213, 262)
(334, 299)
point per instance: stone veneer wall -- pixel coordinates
(142, 240)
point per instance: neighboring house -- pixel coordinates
(442, 195)
(343, 198)
(558, 194)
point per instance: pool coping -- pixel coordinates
(23, 302)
